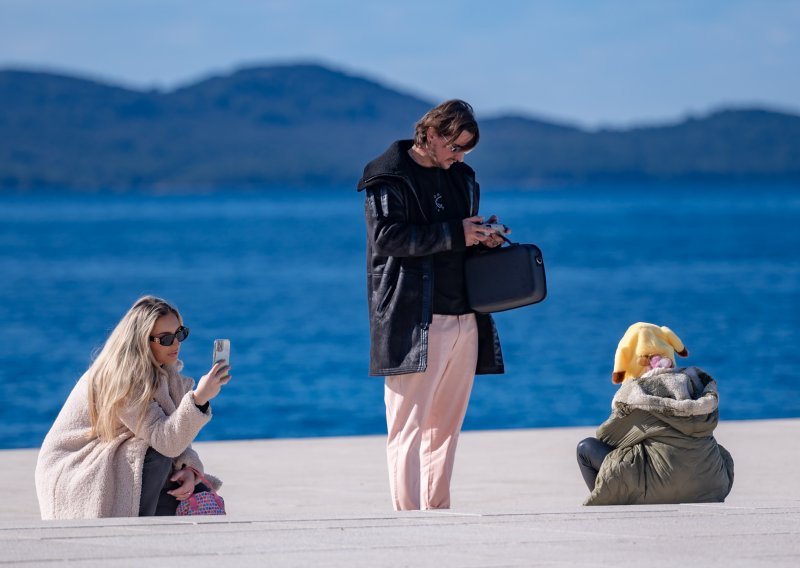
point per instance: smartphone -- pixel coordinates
(222, 350)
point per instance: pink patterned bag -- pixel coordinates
(203, 502)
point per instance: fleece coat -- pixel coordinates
(662, 427)
(80, 477)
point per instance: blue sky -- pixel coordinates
(587, 62)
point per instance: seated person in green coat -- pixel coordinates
(658, 445)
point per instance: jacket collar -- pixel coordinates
(393, 163)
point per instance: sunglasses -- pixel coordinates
(457, 149)
(169, 338)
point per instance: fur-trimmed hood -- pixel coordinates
(674, 392)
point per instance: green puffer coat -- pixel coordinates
(662, 427)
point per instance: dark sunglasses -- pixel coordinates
(168, 339)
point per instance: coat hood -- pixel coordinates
(688, 392)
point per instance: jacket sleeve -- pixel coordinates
(623, 430)
(391, 232)
(168, 435)
(188, 458)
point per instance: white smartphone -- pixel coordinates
(222, 350)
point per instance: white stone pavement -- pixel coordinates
(516, 502)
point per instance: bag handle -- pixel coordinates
(506, 239)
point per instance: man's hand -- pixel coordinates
(476, 234)
(496, 240)
(473, 233)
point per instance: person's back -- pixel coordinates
(665, 450)
(658, 444)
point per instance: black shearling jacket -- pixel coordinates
(400, 243)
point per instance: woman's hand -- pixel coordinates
(210, 384)
(187, 480)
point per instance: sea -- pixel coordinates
(281, 273)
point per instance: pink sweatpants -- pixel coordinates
(424, 414)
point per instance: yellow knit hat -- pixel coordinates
(639, 344)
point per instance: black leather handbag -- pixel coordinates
(505, 278)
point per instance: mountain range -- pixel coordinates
(311, 125)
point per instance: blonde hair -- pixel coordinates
(126, 373)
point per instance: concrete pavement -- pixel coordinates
(516, 502)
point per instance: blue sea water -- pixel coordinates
(282, 274)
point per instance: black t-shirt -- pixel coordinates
(445, 201)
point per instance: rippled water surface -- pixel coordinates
(282, 274)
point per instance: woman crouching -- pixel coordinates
(121, 445)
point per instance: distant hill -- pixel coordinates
(728, 145)
(298, 125)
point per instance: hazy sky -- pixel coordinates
(591, 62)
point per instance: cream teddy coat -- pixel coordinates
(80, 477)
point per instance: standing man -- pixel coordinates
(422, 217)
